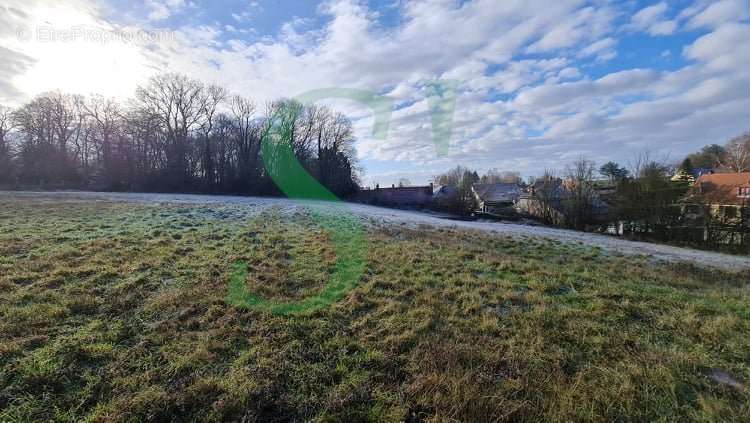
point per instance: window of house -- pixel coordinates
(729, 212)
(744, 192)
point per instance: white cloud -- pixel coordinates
(584, 24)
(663, 28)
(569, 94)
(649, 15)
(652, 20)
(724, 48)
(246, 15)
(525, 101)
(719, 12)
(569, 73)
(163, 9)
(606, 118)
(603, 49)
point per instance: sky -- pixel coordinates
(536, 84)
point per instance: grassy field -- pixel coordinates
(119, 312)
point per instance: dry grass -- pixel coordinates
(114, 312)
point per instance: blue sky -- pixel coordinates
(539, 83)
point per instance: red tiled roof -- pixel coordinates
(723, 188)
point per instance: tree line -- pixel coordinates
(177, 135)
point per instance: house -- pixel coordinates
(444, 196)
(692, 175)
(547, 199)
(718, 207)
(497, 198)
(543, 200)
(725, 195)
(420, 196)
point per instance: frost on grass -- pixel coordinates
(113, 311)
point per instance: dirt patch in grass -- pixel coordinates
(118, 312)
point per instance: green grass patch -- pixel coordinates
(124, 312)
(344, 233)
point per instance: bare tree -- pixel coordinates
(323, 133)
(7, 124)
(404, 182)
(737, 157)
(247, 138)
(546, 198)
(282, 129)
(462, 180)
(105, 117)
(225, 151)
(639, 162)
(179, 102)
(173, 137)
(338, 153)
(494, 176)
(580, 193)
(213, 96)
(49, 124)
(452, 177)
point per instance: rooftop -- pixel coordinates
(723, 188)
(497, 192)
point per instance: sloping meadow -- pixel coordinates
(121, 312)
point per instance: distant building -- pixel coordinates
(497, 198)
(720, 204)
(546, 199)
(444, 196)
(396, 196)
(692, 175)
(543, 200)
(725, 193)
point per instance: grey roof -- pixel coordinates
(444, 191)
(497, 193)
